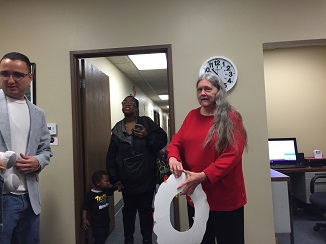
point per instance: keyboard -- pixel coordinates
(287, 166)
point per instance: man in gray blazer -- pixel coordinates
(23, 129)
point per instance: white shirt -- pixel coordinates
(19, 120)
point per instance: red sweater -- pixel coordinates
(225, 187)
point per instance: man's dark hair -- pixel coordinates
(97, 176)
(18, 56)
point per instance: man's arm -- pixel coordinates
(27, 164)
(44, 152)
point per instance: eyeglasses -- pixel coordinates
(125, 103)
(17, 76)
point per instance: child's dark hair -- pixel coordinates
(97, 176)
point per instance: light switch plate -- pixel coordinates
(52, 128)
(54, 141)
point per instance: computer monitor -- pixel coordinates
(282, 150)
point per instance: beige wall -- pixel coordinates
(295, 80)
(47, 30)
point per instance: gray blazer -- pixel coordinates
(38, 145)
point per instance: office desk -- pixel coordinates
(300, 181)
(296, 182)
(302, 170)
(282, 203)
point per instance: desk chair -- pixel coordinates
(318, 199)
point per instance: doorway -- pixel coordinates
(78, 103)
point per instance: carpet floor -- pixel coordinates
(304, 219)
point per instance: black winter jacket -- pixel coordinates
(134, 162)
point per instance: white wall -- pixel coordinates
(47, 30)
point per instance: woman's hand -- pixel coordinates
(141, 133)
(119, 186)
(176, 167)
(192, 181)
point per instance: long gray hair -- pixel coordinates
(222, 125)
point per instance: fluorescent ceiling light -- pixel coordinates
(164, 97)
(149, 61)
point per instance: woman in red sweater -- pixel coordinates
(208, 148)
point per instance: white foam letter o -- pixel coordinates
(165, 232)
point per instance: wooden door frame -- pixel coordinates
(77, 120)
